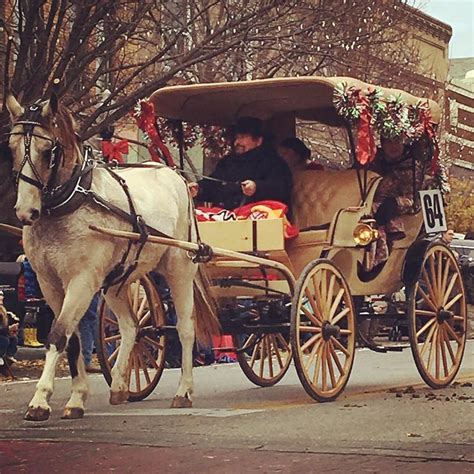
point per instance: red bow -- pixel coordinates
(366, 148)
(114, 151)
(146, 121)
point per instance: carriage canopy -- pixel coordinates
(308, 98)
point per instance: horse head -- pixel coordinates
(41, 137)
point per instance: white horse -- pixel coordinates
(72, 261)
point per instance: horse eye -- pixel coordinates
(47, 154)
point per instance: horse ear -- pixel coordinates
(13, 106)
(51, 107)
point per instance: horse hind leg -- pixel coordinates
(75, 406)
(120, 306)
(182, 291)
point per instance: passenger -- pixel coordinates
(394, 196)
(252, 172)
(297, 155)
(8, 334)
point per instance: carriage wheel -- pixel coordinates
(147, 359)
(323, 330)
(438, 317)
(264, 358)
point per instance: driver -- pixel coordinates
(252, 172)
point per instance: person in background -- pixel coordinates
(297, 155)
(9, 325)
(88, 328)
(447, 237)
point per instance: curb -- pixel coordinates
(30, 353)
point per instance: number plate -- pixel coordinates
(433, 211)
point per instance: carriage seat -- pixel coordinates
(319, 195)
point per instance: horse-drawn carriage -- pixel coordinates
(294, 300)
(280, 300)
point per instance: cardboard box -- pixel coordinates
(245, 235)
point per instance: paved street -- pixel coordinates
(377, 425)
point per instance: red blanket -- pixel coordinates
(254, 211)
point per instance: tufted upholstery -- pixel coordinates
(318, 195)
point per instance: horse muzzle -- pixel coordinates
(28, 217)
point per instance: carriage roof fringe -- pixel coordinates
(307, 98)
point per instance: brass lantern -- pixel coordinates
(364, 233)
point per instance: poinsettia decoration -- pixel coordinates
(390, 117)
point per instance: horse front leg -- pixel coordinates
(183, 297)
(73, 308)
(120, 306)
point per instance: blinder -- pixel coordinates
(29, 120)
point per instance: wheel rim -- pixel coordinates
(147, 358)
(264, 358)
(324, 331)
(438, 317)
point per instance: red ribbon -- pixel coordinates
(366, 148)
(428, 128)
(114, 151)
(146, 121)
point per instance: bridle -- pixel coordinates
(29, 120)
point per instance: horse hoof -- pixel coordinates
(117, 398)
(37, 414)
(181, 402)
(72, 413)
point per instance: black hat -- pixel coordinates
(297, 146)
(249, 126)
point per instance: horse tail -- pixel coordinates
(205, 308)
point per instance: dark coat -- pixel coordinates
(262, 165)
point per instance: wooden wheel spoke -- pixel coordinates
(283, 342)
(330, 292)
(457, 317)
(116, 337)
(448, 345)
(312, 355)
(431, 351)
(437, 353)
(335, 304)
(346, 332)
(319, 298)
(339, 316)
(310, 329)
(443, 351)
(450, 330)
(449, 289)
(425, 327)
(330, 366)
(144, 367)
(425, 312)
(444, 281)
(429, 285)
(453, 301)
(426, 344)
(270, 358)
(136, 368)
(426, 298)
(262, 356)
(146, 318)
(336, 358)
(312, 317)
(434, 283)
(153, 342)
(110, 321)
(312, 340)
(253, 358)
(148, 355)
(113, 356)
(141, 308)
(318, 364)
(277, 351)
(324, 382)
(340, 346)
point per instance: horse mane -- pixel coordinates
(66, 126)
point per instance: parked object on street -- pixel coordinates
(280, 299)
(465, 250)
